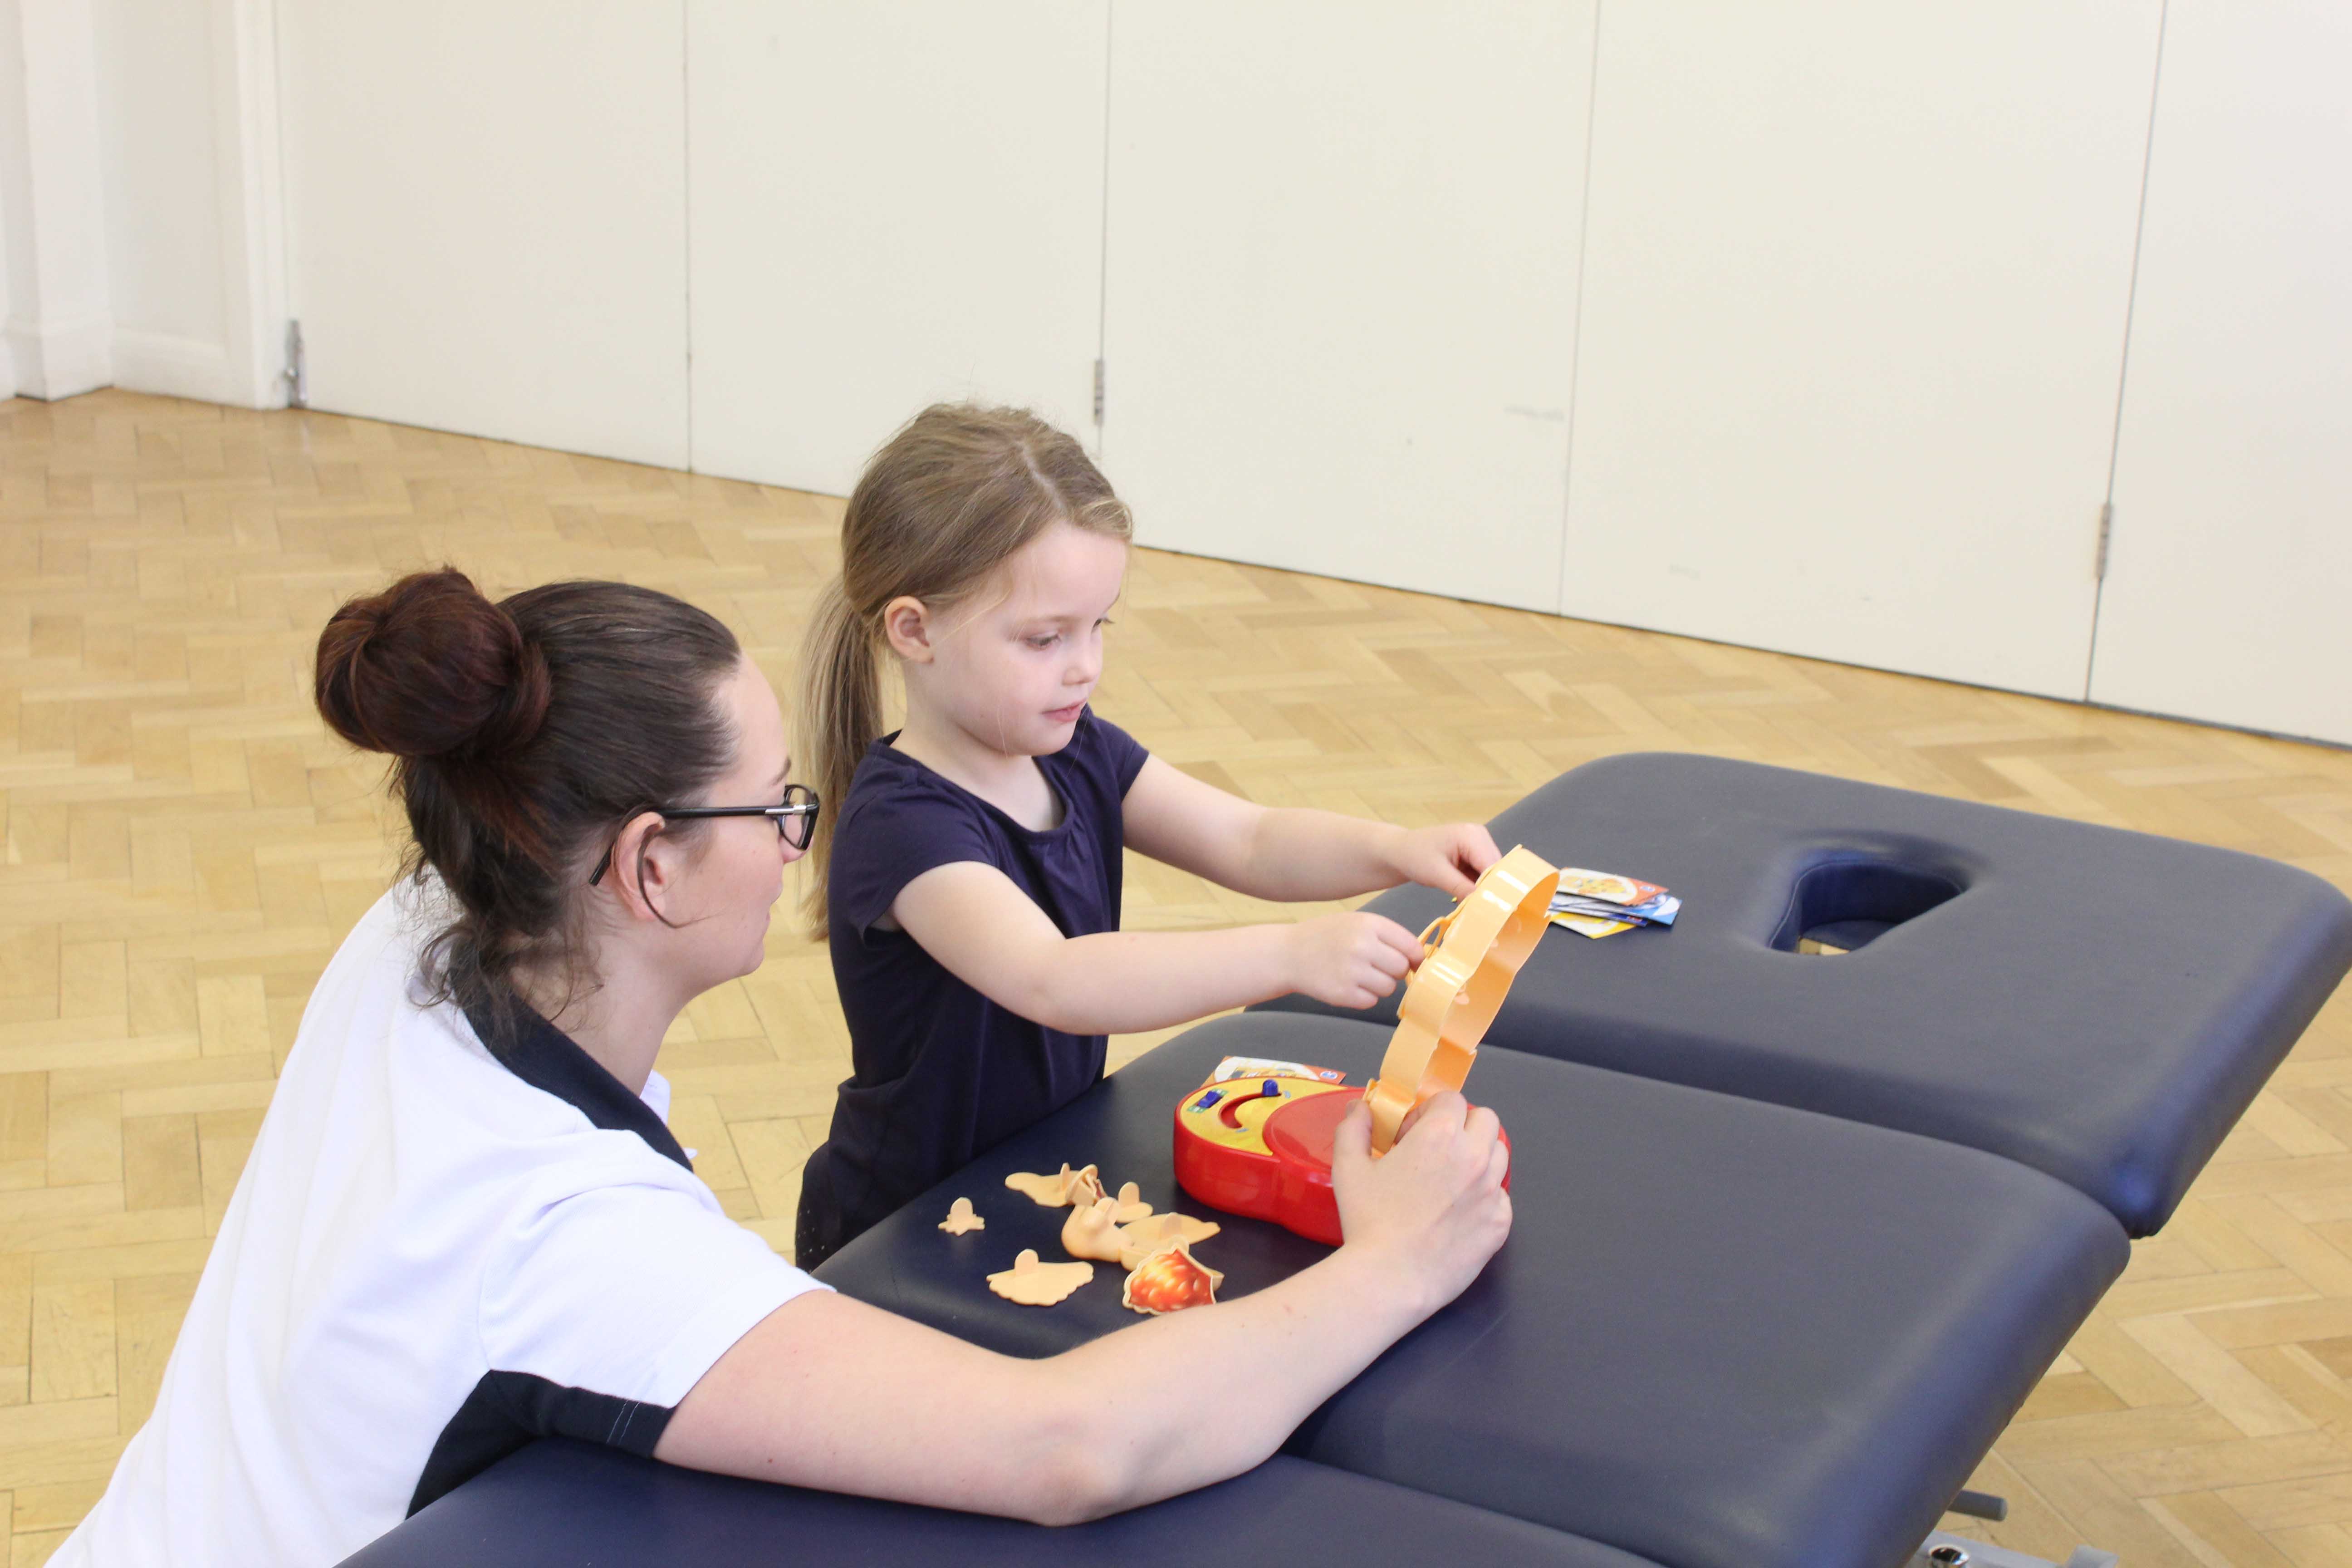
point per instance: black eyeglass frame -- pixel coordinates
(799, 805)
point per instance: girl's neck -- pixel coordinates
(1014, 785)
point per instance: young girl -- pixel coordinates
(969, 889)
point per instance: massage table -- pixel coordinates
(1794, 1235)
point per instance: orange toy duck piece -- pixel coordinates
(1460, 986)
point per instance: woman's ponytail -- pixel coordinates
(840, 716)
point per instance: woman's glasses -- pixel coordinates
(795, 820)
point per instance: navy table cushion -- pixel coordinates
(566, 1504)
(2099, 1005)
(1723, 1334)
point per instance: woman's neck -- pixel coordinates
(1014, 785)
(619, 1022)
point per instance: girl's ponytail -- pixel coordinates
(840, 716)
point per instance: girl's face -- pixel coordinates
(1018, 661)
(731, 885)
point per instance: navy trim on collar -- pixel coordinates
(547, 1058)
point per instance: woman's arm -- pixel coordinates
(1292, 853)
(832, 1393)
(991, 935)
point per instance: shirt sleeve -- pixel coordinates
(1120, 756)
(630, 1291)
(890, 838)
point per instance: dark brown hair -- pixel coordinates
(527, 733)
(945, 502)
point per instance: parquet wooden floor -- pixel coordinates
(185, 844)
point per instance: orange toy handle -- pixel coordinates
(1460, 986)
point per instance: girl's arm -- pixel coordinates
(1290, 853)
(832, 1393)
(991, 935)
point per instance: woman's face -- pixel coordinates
(731, 884)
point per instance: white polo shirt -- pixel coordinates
(434, 1255)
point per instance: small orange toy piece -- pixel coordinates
(1030, 1283)
(1090, 1232)
(1057, 1191)
(1170, 1280)
(1158, 1231)
(1460, 986)
(961, 1218)
(1131, 1206)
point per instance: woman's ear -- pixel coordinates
(641, 873)
(907, 622)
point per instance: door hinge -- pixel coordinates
(2107, 531)
(298, 386)
(1098, 391)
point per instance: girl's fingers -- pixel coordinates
(1395, 939)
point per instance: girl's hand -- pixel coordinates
(1349, 960)
(1434, 1206)
(1449, 857)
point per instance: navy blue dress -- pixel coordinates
(939, 1073)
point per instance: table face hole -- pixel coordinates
(1843, 903)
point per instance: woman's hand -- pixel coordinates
(1349, 960)
(1434, 1206)
(1449, 857)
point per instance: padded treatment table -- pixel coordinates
(2101, 1005)
(564, 1504)
(1723, 1334)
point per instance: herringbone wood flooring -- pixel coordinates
(185, 844)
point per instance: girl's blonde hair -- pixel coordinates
(941, 506)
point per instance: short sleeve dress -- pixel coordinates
(940, 1073)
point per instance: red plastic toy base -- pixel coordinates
(1274, 1166)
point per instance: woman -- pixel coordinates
(464, 1224)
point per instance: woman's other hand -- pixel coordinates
(1433, 1207)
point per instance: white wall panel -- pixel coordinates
(1856, 282)
(892, 205)
(1342, 281)
(487, 216)
(156, 137)
(2229, 591)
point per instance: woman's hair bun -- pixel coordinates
(430, 668)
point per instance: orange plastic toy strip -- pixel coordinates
(1454, 996)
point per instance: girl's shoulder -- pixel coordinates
(891, 793)
(1102, 751)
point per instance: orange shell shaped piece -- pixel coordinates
(1170, 1280)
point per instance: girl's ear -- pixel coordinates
(645, 868)
(907, 622)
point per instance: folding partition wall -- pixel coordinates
(486, 217)
(2228, 589)
(1801, 326)
(891, 205)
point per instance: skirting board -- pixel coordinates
(173, 367)
(53, 360)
